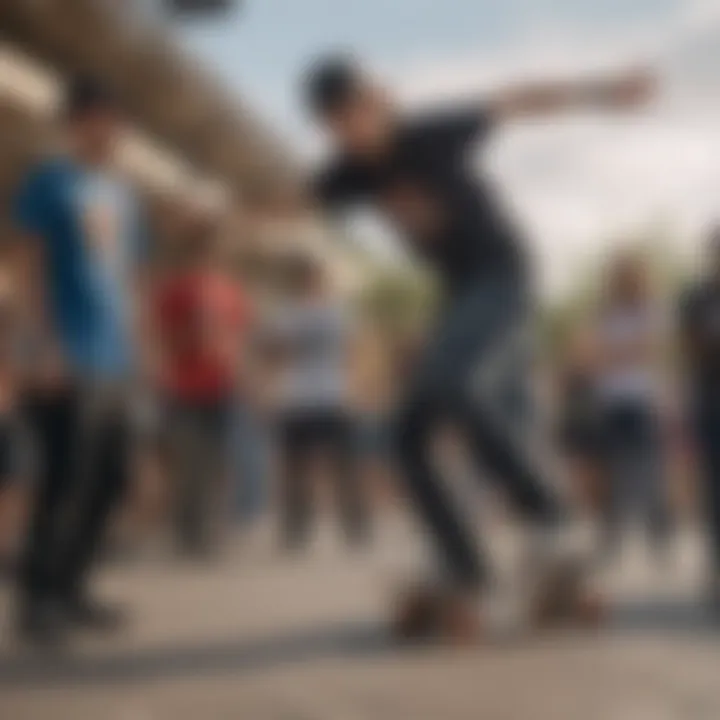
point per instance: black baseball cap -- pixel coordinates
(331, 82)
(84, 94)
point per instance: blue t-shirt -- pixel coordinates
(93, 238)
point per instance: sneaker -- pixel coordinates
(42, 623)
(712, 598)
(556, 580)
(427, 612)
(459, 620)
(415, 614)
(84, 612)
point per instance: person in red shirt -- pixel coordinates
(201, 315)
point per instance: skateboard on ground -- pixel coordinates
(424, 613)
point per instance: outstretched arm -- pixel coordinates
(623, 91)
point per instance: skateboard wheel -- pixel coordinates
(591, 610)
(416, 614)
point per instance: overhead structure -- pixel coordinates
(164, 91)
(190, 137)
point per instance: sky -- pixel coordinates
(577, 183)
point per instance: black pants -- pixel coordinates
(198, 437)
(8, 451)
(473, 374)
(304, 435)
(82, 438)
(637, 483)
(707, 431)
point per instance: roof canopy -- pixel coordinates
(165, 92)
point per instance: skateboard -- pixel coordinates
(426, 614)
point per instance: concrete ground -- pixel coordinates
(258, 636)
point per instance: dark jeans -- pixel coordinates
(634, 458)
(82, 436)
(707, 430)
(474, 373)
(303, 435)
(199, 464)
(250, 459)
(8, 450)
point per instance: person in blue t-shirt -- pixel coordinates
(81, 239)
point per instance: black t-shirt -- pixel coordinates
(700, 324)
(425, 186)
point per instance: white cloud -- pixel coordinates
(584, 179)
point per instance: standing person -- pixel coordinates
(81, 243)
(14, 490)
(201, 318)
(700, 338)
(416, 171)
(313, 333)
(630, 340)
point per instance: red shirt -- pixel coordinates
(201, 318)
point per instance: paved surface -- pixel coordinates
(259, 637)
